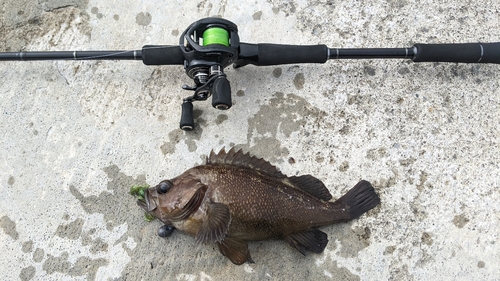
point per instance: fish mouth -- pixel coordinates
(144, 200)
(150, 204)
(142, 203)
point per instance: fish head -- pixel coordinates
(165, 200)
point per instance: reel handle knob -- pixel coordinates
(221, 93)
(187, 120)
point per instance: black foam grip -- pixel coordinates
(221, 94)
(273, 54)
(187, 120)
(466, 52)
(162, 55)
(491, 52)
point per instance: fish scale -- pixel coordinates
(269, 200)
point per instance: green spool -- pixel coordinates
(216, 35)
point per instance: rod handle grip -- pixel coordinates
(465, 52)
(162, 55)
(275, 54)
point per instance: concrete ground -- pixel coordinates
(75, 136)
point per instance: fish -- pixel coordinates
(235, 198)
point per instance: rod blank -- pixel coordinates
(72, 55)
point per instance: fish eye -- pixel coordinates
(164, 186)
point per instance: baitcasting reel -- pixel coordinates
(209, 45)
(205, 48)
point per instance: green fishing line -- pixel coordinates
(216, 35)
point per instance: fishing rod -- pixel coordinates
(209, 45)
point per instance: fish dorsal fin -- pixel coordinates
(238, 158)
(312, 185)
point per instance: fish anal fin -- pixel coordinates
(238, 158)
(214, 228)
(313, 240)
(236, 250)
(191, 206)
(311, 185)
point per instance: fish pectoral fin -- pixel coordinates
(312, 185)
(214, 228)
(313, 240)
(191, 206)
(236, 250)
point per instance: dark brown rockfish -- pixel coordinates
(235, 198)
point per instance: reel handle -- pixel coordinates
(187, 120)
(464, 52)
(221, 93)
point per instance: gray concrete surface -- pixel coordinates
(76, 135)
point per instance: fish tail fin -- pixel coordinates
(359, 200)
